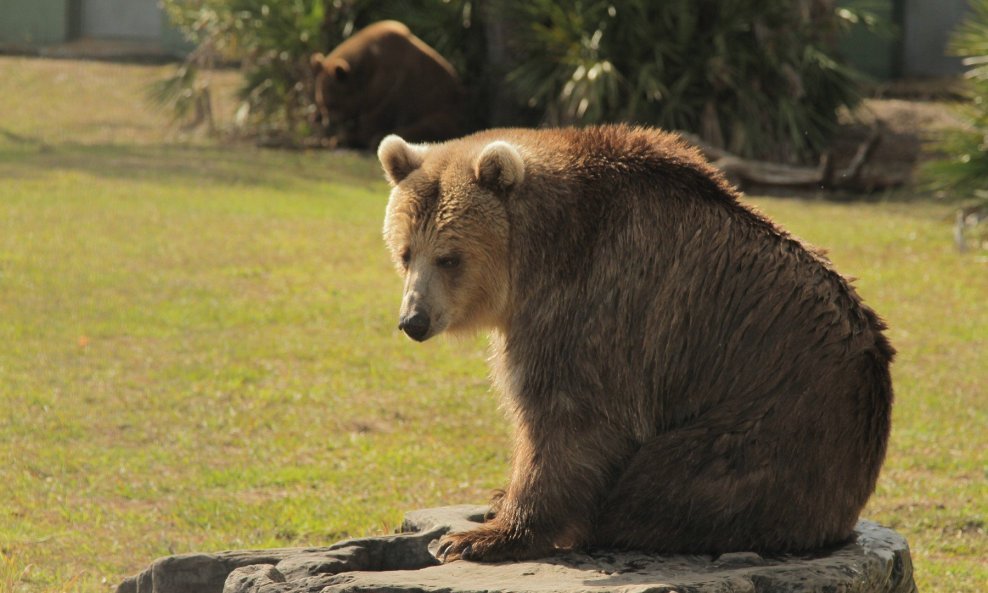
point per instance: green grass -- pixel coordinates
(198, 349)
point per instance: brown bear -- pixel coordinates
(684, 375)
(385, 80)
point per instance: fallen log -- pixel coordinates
(753, 172)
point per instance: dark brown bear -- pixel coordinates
(385, 80)
(684, 375)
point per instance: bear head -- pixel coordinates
(446, 226)
(334, 82)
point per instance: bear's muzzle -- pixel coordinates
(416, 325)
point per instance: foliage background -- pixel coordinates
(964, 168)
(758, 78)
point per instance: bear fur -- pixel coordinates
(383, 79)
(683, 375)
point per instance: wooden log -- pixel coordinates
(749, 171)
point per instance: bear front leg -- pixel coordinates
(494, 504)
(559, 475)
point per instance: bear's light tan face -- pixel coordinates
(448, 239)
(451, 258)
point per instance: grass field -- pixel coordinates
(198, 349)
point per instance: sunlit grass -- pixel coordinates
(198, 350)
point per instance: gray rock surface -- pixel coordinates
(877, 561)
(255, 577)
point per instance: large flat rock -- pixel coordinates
(876, 561)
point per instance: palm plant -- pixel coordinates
(272, 40)
(965, 169)
(755, 77)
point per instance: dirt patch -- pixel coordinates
(902, 130)
(925, 118)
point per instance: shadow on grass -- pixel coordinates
(19, 139)
(234, 164)
(905, 194)
(247, 165)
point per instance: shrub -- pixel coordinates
(965, 169)
(272, 41)
(755, 77)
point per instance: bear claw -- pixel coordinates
(452, 548)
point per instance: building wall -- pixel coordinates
(121, 19)
(910, 41)
(30, 22)
(926, 30)
(873, 51)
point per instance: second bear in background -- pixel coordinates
(385, 80)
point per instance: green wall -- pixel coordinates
(33, 22)
(874, 52)
(173, 41)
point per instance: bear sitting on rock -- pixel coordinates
(382, 80)
(684, 375)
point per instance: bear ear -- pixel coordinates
(316, 61)
(341, 70)
(499, 167)
(399, 158)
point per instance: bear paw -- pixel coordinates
(488, 544)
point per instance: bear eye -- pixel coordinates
(406, 257)
(448, 261)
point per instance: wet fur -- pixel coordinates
(683, 375)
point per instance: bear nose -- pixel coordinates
(416, 326)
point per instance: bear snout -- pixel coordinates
(416, 325)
